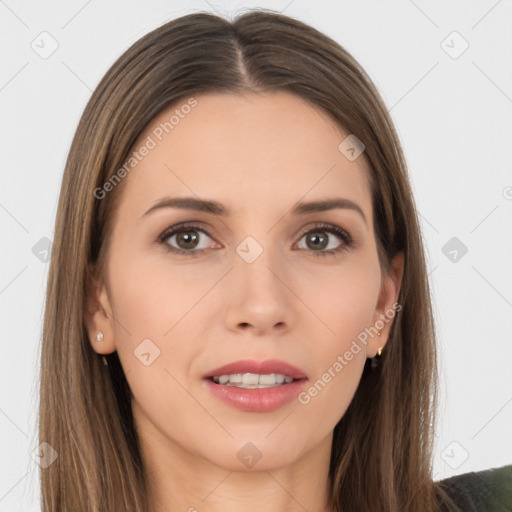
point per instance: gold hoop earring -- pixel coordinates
(375, 361)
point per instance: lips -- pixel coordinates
(248, 399)
(265, 367)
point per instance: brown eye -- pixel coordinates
(316, 240)
(185, 239)
(326, 240)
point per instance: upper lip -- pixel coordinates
(260, 367)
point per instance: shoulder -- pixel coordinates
(489, 490)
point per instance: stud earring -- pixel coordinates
(99, 337)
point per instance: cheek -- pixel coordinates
(330, 392)
(338, 367)
(345, 303)
(343, 298)
(153, 295)
(156, 310)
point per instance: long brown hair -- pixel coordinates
(381, 455)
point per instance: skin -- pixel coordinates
(257, 154)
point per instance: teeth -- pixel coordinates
(253, 380)
(264, 379)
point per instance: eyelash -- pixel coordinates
(348, 242)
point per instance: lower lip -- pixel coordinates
(256, 400)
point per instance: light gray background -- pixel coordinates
(454, 119)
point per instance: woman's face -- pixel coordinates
(266, 278)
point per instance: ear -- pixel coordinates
(98, 314)
(387, 306)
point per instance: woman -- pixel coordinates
(238, 302)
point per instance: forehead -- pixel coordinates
(246, 151)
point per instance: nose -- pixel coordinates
(259, 299)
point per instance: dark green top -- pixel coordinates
(482, 491)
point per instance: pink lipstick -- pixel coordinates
(256, 386)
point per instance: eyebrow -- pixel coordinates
(216, 208)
